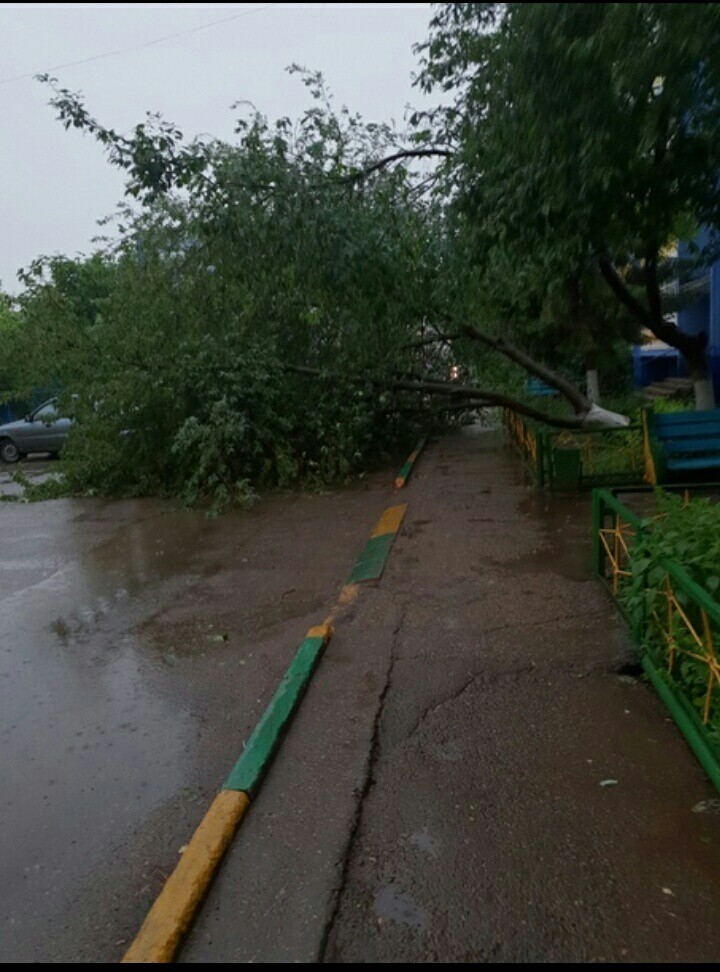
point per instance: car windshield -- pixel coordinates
(46, 413)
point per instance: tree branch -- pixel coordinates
(580, 403)
(436, 339)
(473, 397)
(398, 157)
(690, 346)
(652, 285)
(613, 279)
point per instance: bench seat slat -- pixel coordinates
(676, 447)
(691, 431)
(677, 435)
(699, 462)
(681, 418)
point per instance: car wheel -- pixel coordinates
(9, 452)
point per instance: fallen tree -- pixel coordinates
(469, 397)
(259, 316)
(158, 162)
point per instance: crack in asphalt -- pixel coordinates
(492, 678)
(457, 693)
(363, 792)
(511, 625)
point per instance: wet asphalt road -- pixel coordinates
(140, 644)
(438, 796)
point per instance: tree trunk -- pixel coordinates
(704, 394)
(691, 346)
(592, 384)
(455, 393)
(579, 402)
(702, 382)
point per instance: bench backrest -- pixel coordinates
(681, 443)
(669, 420)
(691, 426)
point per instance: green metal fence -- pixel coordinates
(578, 459)
(677, 621)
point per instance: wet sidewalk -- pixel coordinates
(492, 831)
(475, 774)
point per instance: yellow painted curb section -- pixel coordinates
(346, 597)
(170, 916)
(390, 521)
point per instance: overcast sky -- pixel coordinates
(56, 184)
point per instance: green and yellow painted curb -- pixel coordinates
(170, 917)
(263, 743)
(404, 474)
(372, 560)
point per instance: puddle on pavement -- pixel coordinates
(422, 841)
(125, 624)
(93, 740)
(395, 904)
(570, 560)
(564, 545)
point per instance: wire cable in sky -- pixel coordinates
(141, 47)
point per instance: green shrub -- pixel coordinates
(687, 533)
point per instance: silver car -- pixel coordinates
(42, 430)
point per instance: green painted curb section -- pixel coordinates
(372, 560)
(404, 474)
(248, 772)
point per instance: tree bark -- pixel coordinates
(690, 346)
(592, 417)
(580, 403)
(704, 394)
(593, 385)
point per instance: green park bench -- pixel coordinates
(679, 444)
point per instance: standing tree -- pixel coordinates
(585, 139)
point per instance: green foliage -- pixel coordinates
(176, 346)
(590, 123)
(687, 533)
(584, 133)
(577, 134)
(9, 325)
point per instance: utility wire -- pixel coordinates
(141, 47)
